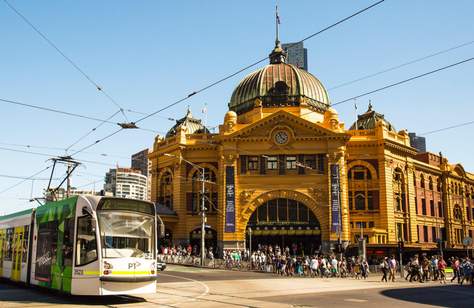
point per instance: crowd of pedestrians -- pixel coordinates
(424, 269)
(291, 262)
(281, 262)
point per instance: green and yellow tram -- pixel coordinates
(84, 245)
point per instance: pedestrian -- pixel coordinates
(441, 270)
(393, 268)
(456, 270)
(384, 269)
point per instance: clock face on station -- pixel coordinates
(281, 137)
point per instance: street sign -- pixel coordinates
(467, 241)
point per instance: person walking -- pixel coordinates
(441, 270)
(384, 269)
(393, 268)
(456, 270)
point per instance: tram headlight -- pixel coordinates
(152, 268)
(107, 265)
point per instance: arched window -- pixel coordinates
(430, 183)
(422, 181)
(399, 195)
(365, 199)
(360, 201)
(414, 180)
(166, 190)
(438, 185)
(194, 198)
(457, 212)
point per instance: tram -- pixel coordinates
(84, 245)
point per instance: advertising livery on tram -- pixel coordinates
(84, 245)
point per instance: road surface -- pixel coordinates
(180, 286)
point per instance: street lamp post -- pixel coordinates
(203, 207)
(250, 247)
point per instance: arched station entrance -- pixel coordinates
(285, 223)
(210, 239)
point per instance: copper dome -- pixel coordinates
(279, 84)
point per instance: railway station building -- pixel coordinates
(286, 170)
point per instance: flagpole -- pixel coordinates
(277, 22)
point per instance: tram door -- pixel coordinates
(17, 252)
(46, 253)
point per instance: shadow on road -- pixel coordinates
(17, 294)
(445, 296)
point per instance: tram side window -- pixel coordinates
(8, 244)
(86, 245)
(24, 246)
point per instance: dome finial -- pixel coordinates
(278, 55)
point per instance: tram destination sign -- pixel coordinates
(229, 199)
(335, 198)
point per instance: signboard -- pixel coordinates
(229, 199)
(335, 198)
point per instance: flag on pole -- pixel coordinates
(277, 16)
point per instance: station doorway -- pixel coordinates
(285, 223)
(210, 237)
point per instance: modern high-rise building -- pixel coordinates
(418, 142)
(126, 183)
(296, 55)
(141, 162)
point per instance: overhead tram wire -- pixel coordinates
(226, 77)
(403, 81)
(97, 141)
(53, 155)
(400, 66)
(24, 180)
(144, 113)
(447, 128)
(28, 146)
(71, 114)
(257, 62)
(91, 131)
(68, 59)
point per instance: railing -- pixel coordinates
(230, 265)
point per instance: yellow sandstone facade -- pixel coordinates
(270, 171)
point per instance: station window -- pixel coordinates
(361, 224)
(425, 233)
(272, 163)
(253, 163)
(291, 163)
(423, 206)
(432, 208)
(360, 201)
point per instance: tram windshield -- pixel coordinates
(125, 233)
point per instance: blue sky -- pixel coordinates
(147, 54)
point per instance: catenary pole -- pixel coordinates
(203, 219)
